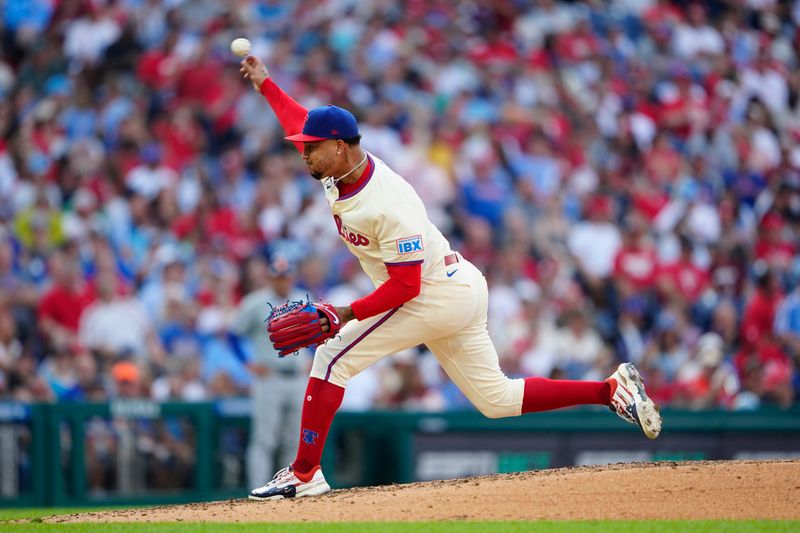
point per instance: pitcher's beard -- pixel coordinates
(316, 175)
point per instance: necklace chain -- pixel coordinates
(337, 180)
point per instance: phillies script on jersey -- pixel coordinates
(356, 239)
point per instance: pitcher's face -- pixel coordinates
(321, 158)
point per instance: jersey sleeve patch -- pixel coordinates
(409, 245)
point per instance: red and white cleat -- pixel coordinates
(630, 401)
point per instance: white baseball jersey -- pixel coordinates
(384, 222)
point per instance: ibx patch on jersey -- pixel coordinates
(409, 245)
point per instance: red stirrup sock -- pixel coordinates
(543, 394)
(321, 401)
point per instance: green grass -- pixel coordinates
(660, 526)
(36, 512)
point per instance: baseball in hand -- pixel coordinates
(241, 46)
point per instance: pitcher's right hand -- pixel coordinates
(254, 70)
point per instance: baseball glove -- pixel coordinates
(296, 325)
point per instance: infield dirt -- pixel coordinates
(691, 490)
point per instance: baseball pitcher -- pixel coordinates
(425, 293)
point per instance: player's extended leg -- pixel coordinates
(358, 345)
(469, 358)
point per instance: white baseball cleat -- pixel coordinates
(630, 401)
(287, 485)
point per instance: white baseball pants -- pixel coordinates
(449, 316)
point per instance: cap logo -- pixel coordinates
(334, 132)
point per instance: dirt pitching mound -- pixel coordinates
(694, 490)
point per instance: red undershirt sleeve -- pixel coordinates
(291, 115)
(403, 285)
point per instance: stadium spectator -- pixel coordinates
(579, 349)
(594, 243)
(61, 307)
(787, 323)
(759, 312)
(117, 325)
(10, 348)
(707, 379)
(635, 263)
(682, 282)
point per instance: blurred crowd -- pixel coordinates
(626, 173)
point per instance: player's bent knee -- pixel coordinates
(494, 410)
(501, 399)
